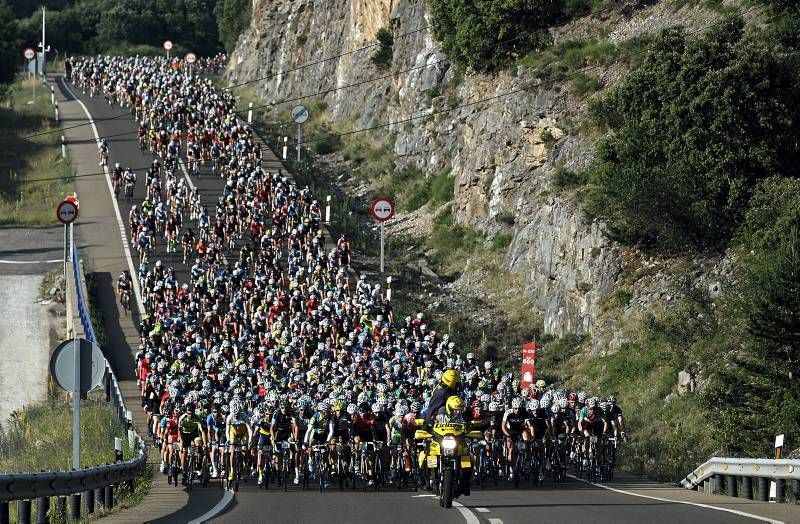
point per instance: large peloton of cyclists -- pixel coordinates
(272, 361)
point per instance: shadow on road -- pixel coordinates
(117, 351)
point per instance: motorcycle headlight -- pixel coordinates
(449, 445)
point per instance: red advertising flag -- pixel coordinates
(528, 364)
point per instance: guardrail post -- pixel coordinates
(61, 509)
(89, 497)
(733, 486)
(109, 496)
(716, 484)
(796, 490)
(24, 511)
(780, 490)
(75, 507)
(747, 487)
(4, 513)
(42, 507)
(108, 386)
(100, 497)
(707, 486)
(763, 489)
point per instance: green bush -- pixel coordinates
(694, 130)
(233, 17)
(501, 241)
(383, 55)
(485, 34)
(584, 84)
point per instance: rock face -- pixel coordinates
(502, 151)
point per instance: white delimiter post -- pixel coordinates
(389, 288)
(250, 114)
(76, 395)
(328, 211)
(285, 147)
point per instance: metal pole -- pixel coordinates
(780, 490)
(763, 489)
(299, 134)
(89, 497)
(796, 490)
(76, 400)
(75, 507)
(44, 42)
(733, 486)
(4, 513)
(109, 496)
(381, 246)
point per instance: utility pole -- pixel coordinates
(43, 44)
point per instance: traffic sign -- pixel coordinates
(67, 211)
(92, 365)
(167, 45)
(382, 209)
(299, 114)
(29, 53)
(191, 58)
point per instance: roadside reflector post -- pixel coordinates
(328, 200)
(389, 289)
(52, 95)
(285, 146)
(56, 111)
(63, 147)
(117, 449)
(250, 114)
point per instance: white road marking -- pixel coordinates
(227, 498)
(468, 515)
(697, 504)
(495, 521)
(31, 261)
(186, 174)
(422, 496)
(482, 510)
(123, 235)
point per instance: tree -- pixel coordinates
(484, 34)
(694, 129)
(383, 56)
(233, 17)
(10, 52)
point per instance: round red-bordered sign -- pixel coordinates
(67, 212)
(167, 45)
(190, 58)
(382, 209)
(29, 53)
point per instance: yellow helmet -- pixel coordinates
(541, 384)
(450, 378)
(454, 405)
(338, 404)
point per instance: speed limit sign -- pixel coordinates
(382, 209)
(191, 58)
(167, 45)
(29, 53)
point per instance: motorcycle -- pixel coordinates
(447, 459)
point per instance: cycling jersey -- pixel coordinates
(239, 430)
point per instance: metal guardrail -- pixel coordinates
(737, 477)
(94, 484)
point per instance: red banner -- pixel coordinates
(528, 364)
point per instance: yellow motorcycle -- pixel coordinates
(447, 459)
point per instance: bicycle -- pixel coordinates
(191, 464)
(174, 466)
(125, 301)
(238, 458)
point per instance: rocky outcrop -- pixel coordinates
(502, 151)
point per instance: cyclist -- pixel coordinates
(319, 432)
(239, 434)
(102, 153)
(192, 433)
(280, 429)
(116, 179)
(514, 428)
(262, 421)
(124, 290)
(215, 422)
(616, 418)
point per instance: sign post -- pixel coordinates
(299, 115)
(778, 445)
(167, 47)
(77, 366)
(528, 364)
(190, 58)
(382, 209)
(29, 55)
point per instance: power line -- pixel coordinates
(492, 98)
(328, 59)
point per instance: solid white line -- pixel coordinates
(495, 521)
(226, 499)
(468, 515)
(186, 174)
(421, 496)
(31, 261)
(482, 510)
(125, 246)
(697, 504)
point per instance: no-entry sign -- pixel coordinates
(29, 53)
(191, 58)
(167, 45)
(382, 209)
(67, 211)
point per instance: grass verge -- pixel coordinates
(24, 202)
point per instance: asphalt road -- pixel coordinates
(572, 501)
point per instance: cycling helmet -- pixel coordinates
(612, 399)
(591, 402)
(236, 408)
(416, 407)
(338, 405)
(582, 397)
(541, 384)
(454, 404)
(351, 409)
(494, 406)
(322, 407)
(516, 403)
(450, 378)
(533, 405)
(401, 411)
(572, 397)
(556, 409)
(562, 403)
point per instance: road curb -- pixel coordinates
(221, 506)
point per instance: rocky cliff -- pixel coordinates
(503, 152)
